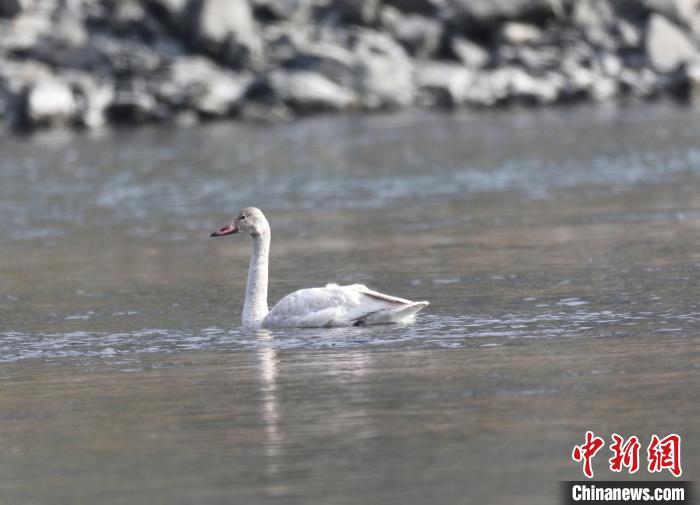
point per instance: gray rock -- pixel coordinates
(629, 34)
(5, 99)
(539, 89)
(328, 59)
(175, 13)
(360, 12)
(596, 19)
(132, 103)
(125, 56)
(667, 45)
(442, 84)
(485, 12)
(589, 82)
(198, 83)
(605, 27)
(678, 11)
(92, 97)
(227, 28)
(97, 100)
(172, 8)
(588, 14)
(282, 41)
(424, 7)
(384, 71)
(50, 103)
(608, 64)
(578, 80)
(17, 76)
(470, 53)
(535, 58)
(310, 92)
(603, 89)
(692, 72)
(641, 83)
(126, 16)
(10, 8)
(298, 10)
(486, 90)
(420, 35)
(23, 32)
(513, 84)
(520, 33)
(388, 17)
(262, 104)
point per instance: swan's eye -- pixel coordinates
(242, 217)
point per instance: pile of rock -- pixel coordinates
(86, 63)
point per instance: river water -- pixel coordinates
(560, 251)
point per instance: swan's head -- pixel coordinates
(249, 220)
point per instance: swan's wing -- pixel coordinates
(332, 305)
(379, 296)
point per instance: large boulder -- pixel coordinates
(308, 92)
(420, 35)
(50, 103)
(442, 84)
(330, 60)
(667, 45)
(227, 28)
(22, 33)
(469, 53)
(384, 71)
(196, 82)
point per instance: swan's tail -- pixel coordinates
(403, 314)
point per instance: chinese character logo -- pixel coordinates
(587, 451)
(662, 453)
(624, 454)
(665, 453)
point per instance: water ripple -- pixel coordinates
(431, 330)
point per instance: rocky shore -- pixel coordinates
(87, 63)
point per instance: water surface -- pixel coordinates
(559, 250)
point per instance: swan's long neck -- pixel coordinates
(255, 306)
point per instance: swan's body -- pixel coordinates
(329, 306)
(336, 305)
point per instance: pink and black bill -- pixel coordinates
(225, 230)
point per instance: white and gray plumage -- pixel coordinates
(332, 305)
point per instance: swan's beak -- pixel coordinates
(226, 230)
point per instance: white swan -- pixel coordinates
(333, 305)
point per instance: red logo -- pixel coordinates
(587, 451)
(665, 453)
(625, 454)
(662, 453)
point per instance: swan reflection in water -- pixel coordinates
(267, 357)
(336, 372)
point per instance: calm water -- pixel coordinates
(560, 251)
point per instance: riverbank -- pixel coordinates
(88, 63)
